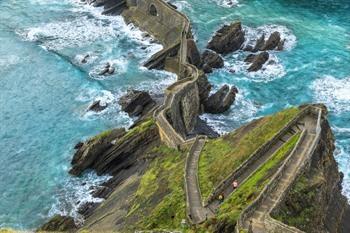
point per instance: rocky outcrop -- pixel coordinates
(136, 103)
(88, 152)
(211, 60)
(228, 39)
(257, 61)
(221, 101)
(320, 183)
(272, 42)
(204, 88)
(59, 223)
(97, 106)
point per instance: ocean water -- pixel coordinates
(45, 89)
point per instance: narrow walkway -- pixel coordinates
(297, 159)
(196, 212)
(214, 205)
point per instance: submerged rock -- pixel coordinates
(97, 106)
(228, 39)
(257, 61)
(136, 103)
(210, 60)
(221, 101)
(59, 223)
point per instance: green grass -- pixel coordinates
(300, 210)
(160, 201)
(145, 125)
(220, 157)
(251, 188)
(102, 135)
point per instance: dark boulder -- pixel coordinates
(59, 223)
(272, 42)
(228, 39)
(221, 101)
(210, 60)
(97, 106)
(257, 61)
(280, 45)
(204, 87)
(136, 103)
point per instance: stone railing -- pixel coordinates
(272, 225)
(256, 155)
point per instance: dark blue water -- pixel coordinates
(45, 90)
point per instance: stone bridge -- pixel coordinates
(177, 117)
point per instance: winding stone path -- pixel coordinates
(228, 190)
(257, 221)
(196, 212)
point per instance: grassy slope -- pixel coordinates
(250, 189)
(160, 200)
(223, 155)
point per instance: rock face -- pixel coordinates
(210, 60)
(272, 42)
(136, 103)
(89, 151)
(315, 202)
(257, 61)
(193, 54)
(97, 106)
(228, 39)
(59, 223)
(221, 101)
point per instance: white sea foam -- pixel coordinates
(333, 92)
(76, 192)
(252, 34)
(226, 3)
(242, 111)
(271, 70)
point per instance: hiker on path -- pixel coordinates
(235, 184)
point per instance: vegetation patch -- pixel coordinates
(299, 209)
(220, 157)
(160, 201)
(249, 190)
(142, 127)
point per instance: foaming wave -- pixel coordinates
(165, 80)
(241, 112)
(227, 3)
(252, 34)
(76, 192)
(333, 92)
(271, 70)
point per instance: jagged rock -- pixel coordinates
(78, 145)
(204, 88)
(259, 43)
(86, 155)
(107, 70)
(136, 103)
(272, 42)
(59, 223)
(280, 45)
(228, 39)
(97, 106)
(210, 60)
(193, 54)
(87, 208)
(221, 101)
(257, 61)
(84, 60)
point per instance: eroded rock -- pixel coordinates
(221, 101)
(257, 61)
(136, 103)
(272, 42)
(228, 39)
(210, 60)
(59, 223)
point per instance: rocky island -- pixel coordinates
(171, 172)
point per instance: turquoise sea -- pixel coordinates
(45, 90)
